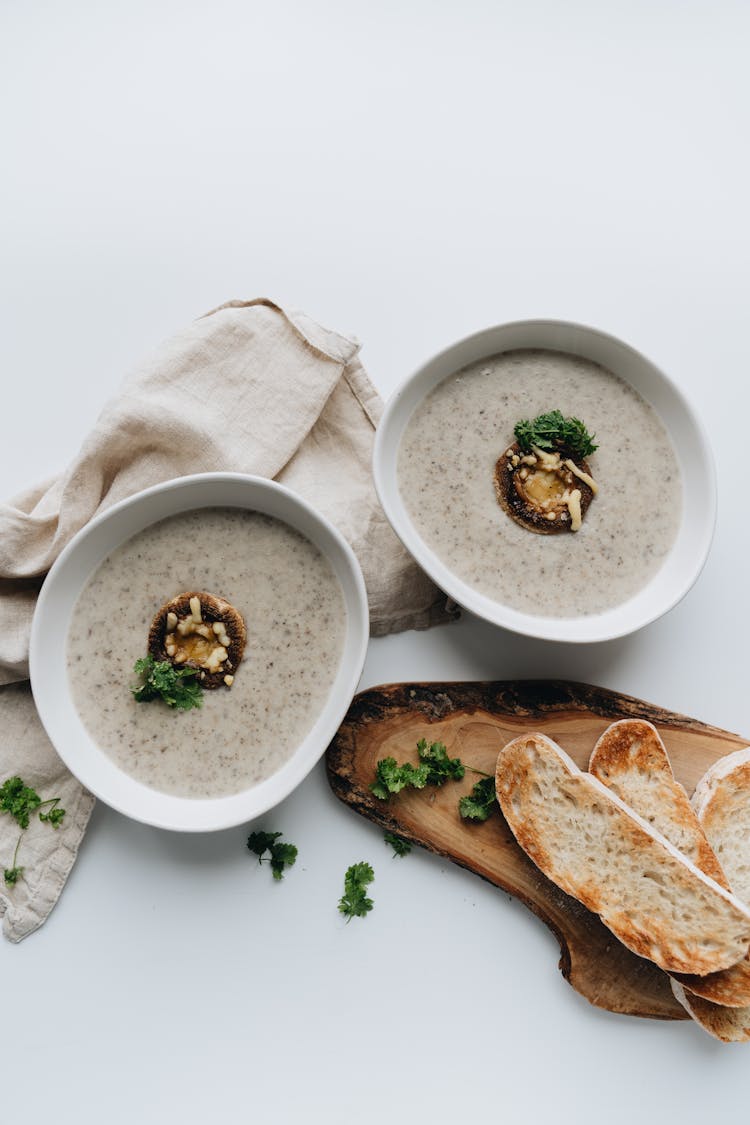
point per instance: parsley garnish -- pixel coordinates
(55, 815)
(390, 777)
(480, 802)
(553, 431)
(441, 767)
(20, 801)
(354, 902)
(400, 846)
(435, 768)
(281, 855)
(177, 687)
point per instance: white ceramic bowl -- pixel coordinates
(690, 550)
(69, 575)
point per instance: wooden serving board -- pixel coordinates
(474, 720)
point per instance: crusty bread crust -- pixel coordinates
(212, 609)
(729, 988)
(631, 760)
(730, 1025)
(587, 841)
(722, 804)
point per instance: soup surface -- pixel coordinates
(295, 615)
(445, 473)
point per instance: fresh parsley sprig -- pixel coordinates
(480, 802)
(13, 874)
(400, 846)
(435, 768)
(280, 855)
(553, 431)
(354, 903)
(19, 801)
(441, 768)
(177, 687)
(391, 778)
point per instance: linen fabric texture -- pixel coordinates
(248, 388)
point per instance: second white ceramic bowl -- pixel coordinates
(68, 576)
(690, 550)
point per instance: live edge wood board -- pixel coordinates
(474, 720)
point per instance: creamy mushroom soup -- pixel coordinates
(294, 612)
(447, 459)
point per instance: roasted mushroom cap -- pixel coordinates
(199, 630)
(547, 493)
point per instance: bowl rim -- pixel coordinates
(187, 814)
(561, 629)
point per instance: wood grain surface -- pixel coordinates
(475, 720)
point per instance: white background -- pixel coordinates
(409, 172)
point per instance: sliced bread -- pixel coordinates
(722, 805)
(587, 841)
(730, 1025)
(631, 759)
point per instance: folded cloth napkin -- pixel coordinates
(248, 388)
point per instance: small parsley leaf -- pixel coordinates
(260, 842)
(177, 687)
(400, 846)
(435, 768)
(54, 816)
(280, 855)
(20, 801)
(442, 768)
(354, 902)
(392, 778)
(554, 431)
(480, 802)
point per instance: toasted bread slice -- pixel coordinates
(730, 1025)
(587, 841)
(630, 758)
(722, 805)
(199, 630)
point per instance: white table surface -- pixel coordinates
(409, 172)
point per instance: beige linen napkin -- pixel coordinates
(249, 388)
